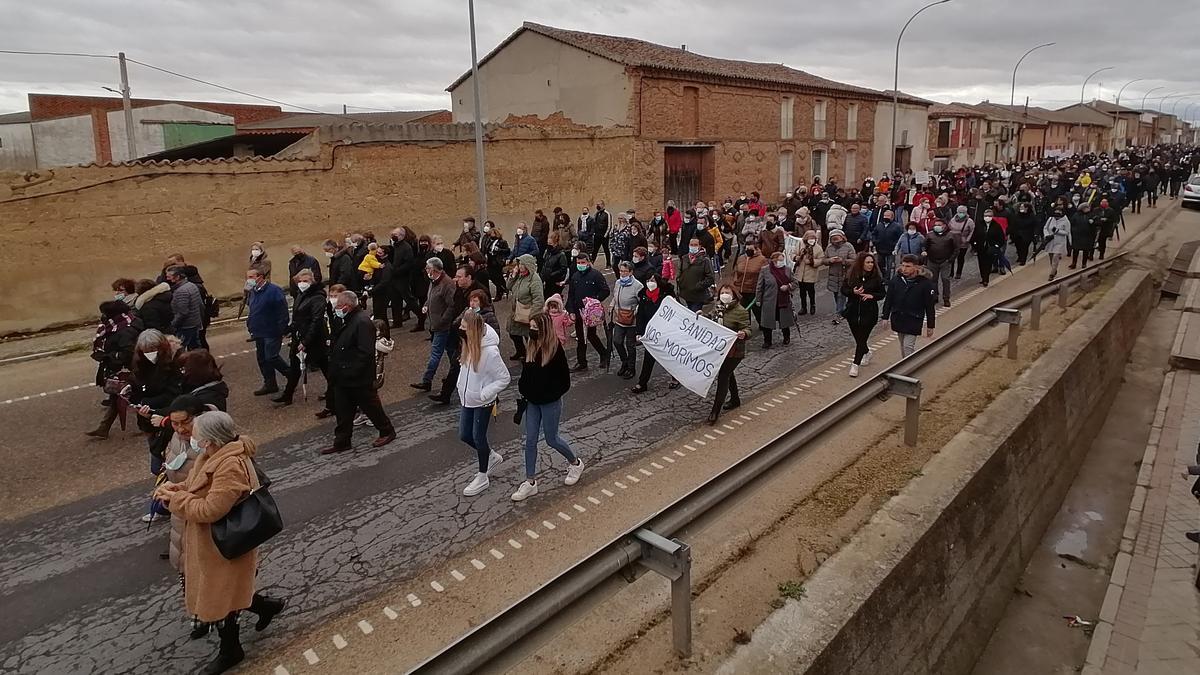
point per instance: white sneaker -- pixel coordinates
(574, 471)
(493, 460)
(361, 419)
(853, 370)
(148, 518)
(477, 485)
(525, 491)
(866, 359)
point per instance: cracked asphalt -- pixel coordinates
(83, 589)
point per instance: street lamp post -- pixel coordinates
(896, 78)
(1144, 96)
(1083, 93)
(480, 184)
(1012, 96)
(1117, 111)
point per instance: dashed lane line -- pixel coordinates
(366, 627)
(414, 600)
(497, 554)
(437, 586)
(339, 641)
(458, 576)
(478, 564)
(390, 613)
(311, 657)
(580, 508)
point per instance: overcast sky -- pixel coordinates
(401, 54)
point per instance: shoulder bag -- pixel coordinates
(250, 523)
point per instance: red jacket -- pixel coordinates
(674, 221)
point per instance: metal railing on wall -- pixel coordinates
(509, 635)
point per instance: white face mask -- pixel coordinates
(466, 227)
(574, 253)
(332, 302)
(195, 445)
(652, 285)
(987, 219)
(256, 252)
(304, 286)
(912, 230)
(779, 263)
(727, 298)
(812, 242)
(152, 357)
(328, 254)
(438, 248)
(487, 228)
(520, 232)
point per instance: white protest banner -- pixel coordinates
(691, 348)
(791, 246)
(922, 177)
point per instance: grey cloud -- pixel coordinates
(394, 55)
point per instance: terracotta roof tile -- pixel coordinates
(314, 120)
(641, 54)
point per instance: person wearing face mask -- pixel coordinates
(772, 238)
(524, 244)
(642, 268)
(839, 255)
(728, 312)
(482, 377)
(1057, 238)
(443, 252)
(404, 262)
(470, 233)
(301, 260)
(940, 248)
(217, 589)
(990, 244)
(307, 333)
(746, 271)
(439, 309)
(125, 290)
(152, 304)
(687, 231)
(465, 288)
(963, 227)
(773, 294)
(540, 231)
(585, 228)
(187, 308)
(1083, 235)
(179, 458)
(496, 252)
(657, 228)
(622, 316)
(156, 382)
(528, 300)
(561, 223)
(695, 276)
(910, 297)
(586, 282)
(863, 287)
(267, 321)
(113, 351)
(806, 267)
(342, 268)
(352, 373)
(650, 298)
(556, 264)
(885, 236)
(1106, 220)
(1022, 228)
(674, 218)
(601, 227)
(856, 226)
(618, 241)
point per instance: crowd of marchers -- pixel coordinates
(886, 249)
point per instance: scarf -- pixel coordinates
(108, 327)
(652, 295)
(782, 299)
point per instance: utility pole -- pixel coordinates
(127, 104)
(1012, 95)
(896, 77)
(480, 182)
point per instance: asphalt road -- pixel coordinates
(81, 583)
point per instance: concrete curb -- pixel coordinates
(1101, 638)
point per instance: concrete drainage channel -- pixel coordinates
(505, 639)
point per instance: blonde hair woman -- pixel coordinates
(482, 377)
(545, 379)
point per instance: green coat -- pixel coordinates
(735, 318)
(526, 290)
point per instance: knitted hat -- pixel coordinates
(837, 233)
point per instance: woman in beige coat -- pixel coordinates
(807, 263)
(216, 589)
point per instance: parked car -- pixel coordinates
(1191, 191)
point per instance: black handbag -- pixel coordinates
(250, 523)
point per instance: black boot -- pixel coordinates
(266, 608)
(230, 653)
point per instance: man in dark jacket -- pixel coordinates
(941, 248)
(464, 285)
(1106, 219)
(695, 276)
(600, 228)
(187, 308)
(404, 263)
(301, 260)
(352, 375)
(267, 321)
(989, 245)
(342, 268)
(1022, 228)
(855, 227)
(886, 234)
(308, 334)
(586, 282)
(911, 297)
(439, 310)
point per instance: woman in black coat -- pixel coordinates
(404, 261)
(153, 305)
(112, 349)
(863, 288)
(309, 333)
(650, 298)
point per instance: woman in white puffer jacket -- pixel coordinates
(483, 376)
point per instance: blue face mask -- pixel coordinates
(625, 281)
(250, 284)
(581, 267)
(693, 250)
(339, 313)
(195, 445)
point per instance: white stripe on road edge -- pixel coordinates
(669, 460)
(390, 613)
(744, 417)
(280, 670)
(414, 600)
(659, 466)
(478, 564)
(578, 508)
(437, 586)
(515, 544)
(528, 533)
(458, 576)
(679, 453)
(793, 392)
(646, 472)
(738, 422)
(366, 627)
(311, 657)
(607, 493)
(496, 554)
(690, 448)
(632, 478)
(697, 441)
(717, 431)
(729, 427)
(339, 641)
(754, 413)
(548, 525)
(710, 437)
(620, 485)
(593, 500)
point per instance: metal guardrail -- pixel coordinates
(504, 639)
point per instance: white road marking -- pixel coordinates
(793, 392)
(496, 554)
(339, 641)
(515, 544)
(718, 432)
(810, 381)
(754, 413)
(657, 465)
(620, 485)
(679, 453)
(548, 525)
(632, 478)
(689, 447)
(744, 417)
(366, 627)
(458, 576)
(311, 657)
(667, 459)
(806, 386)
(606, 493)
(437, 586)
(729, 427)
(528, 533)
(390, 613)
(578, 508)
(768, 404)
(593, 500)
(697, 441)
(738, 422)
(414, 600)
(478, 564)
(783, 396)
(762, 409)
(646, 472)
(280, 670)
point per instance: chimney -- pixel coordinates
(683, 47)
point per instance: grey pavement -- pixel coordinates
(83, 588)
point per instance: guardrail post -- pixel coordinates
(672, 559)
(1035, 312)
(1012, 317)
(1064, 293)
(910, 389)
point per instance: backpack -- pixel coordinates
(592, 312)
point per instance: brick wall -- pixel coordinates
(50, 106)
(66, 246)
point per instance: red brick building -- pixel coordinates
(703, 127)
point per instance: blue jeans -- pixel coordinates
(839, 302)
(266, 350)
(887, 264)
(545, 418)
(472, 430)
(436, 348)
(189, 338)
